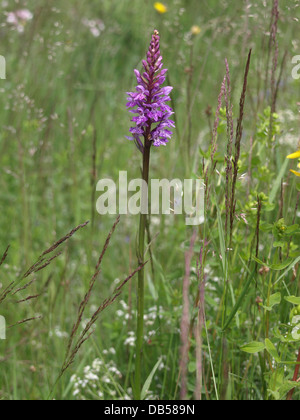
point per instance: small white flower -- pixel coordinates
(95, 26)
(91, 377)
(97, 363)
(130, 341)
(124, 305)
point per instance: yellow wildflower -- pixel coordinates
(160, 7)
(295, 156)
(195, 30)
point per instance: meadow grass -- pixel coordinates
(235, 279)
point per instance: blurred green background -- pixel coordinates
(63, 114)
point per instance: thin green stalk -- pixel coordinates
(268, 303)
(141, 276)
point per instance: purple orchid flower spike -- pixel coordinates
(149, 102)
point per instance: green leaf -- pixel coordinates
(287, 387)
(277, 334)
(277, 183)
(292, 229)
(192, 367)
(253, 347)
(222, 242)
(240, 300)
(269, 207)
(274, 300)
(276, 378)
(278, 244)
(276, 267)
(260, 262)
(152, 288)
(272, 350)
(266, 227)
(207, 154)
(293, 299)
(149, 380)
(290, 267)
(211, 301)
(274, 394)
(282, 266)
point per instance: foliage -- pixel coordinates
(63, 127)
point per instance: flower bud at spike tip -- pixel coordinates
(149, 102)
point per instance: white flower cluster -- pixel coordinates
(98, 381)
(153, 314)
(124, 313)
(150, 317)
(96, 26)
(130, 340)
(57, 332)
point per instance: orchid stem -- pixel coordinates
(141, 275)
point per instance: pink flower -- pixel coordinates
(19, 18)
(24, 14)
(12, 18)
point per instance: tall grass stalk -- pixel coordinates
(185, 321)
